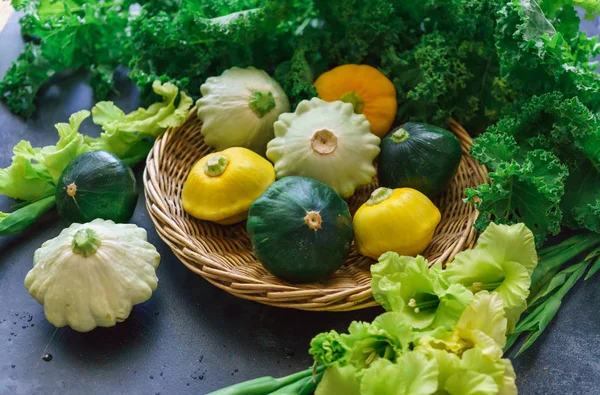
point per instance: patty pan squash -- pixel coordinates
(221, 186)
(92, 274)
(419, 156)
(301, 229)
(327, 142)
(369, 91)
(238, 109)
(401, 220)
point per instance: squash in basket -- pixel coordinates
(301, 229)
(419, 156)
(238, 109)
(369, 91)
(327, 142)
(401, 220)
(222, 185)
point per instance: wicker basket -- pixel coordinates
(223, 254)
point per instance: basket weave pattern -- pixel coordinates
(223, 255)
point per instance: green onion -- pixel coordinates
(268, 384)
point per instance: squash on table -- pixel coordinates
(327, 142)
(92, 274)
(301, 229)
(419, 156)
(402, 220)
(96, 184)
(222, 185)
(369, 91)
(238, 109)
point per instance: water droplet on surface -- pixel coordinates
(47, 357)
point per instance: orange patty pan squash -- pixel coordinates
(370, 92)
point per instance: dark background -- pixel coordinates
(191, 337)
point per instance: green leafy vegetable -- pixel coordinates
(269, 385)
(552, 279)
(131, 135)
(22, 218)
(33, 173)
(72, 34)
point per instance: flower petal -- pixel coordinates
(510, 243)
(486, 314)
(412, 374)
(468, 382)
(339, 380)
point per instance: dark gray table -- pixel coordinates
(191, 337)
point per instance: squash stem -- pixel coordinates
(399, 136)
(261, 103)
(324, 142)
(314, 220)
(379, 195)
(85, 242)
(72, 190)
(354, 99)
(215, 165)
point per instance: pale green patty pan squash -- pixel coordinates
(326, 141)
(92, 274)
(238, 109)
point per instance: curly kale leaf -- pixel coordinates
(537, 57)
(561, 127)
(527, 190)
(72, 35)
(296, 76)
(202, 40)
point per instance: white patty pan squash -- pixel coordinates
(326, 141)
(92, 274)
(238, 109)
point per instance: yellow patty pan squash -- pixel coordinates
(401, 220)
(222, 185)
(366, 88)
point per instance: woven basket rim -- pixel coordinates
(222, 255)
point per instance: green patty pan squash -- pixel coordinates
(221, 186)
(238, 109)
(327, 142)
(94, 185)
(92, 274)
(301, 229)
(402, 220)
(419, 156)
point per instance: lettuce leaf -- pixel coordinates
(35, 171)
(131, 135)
